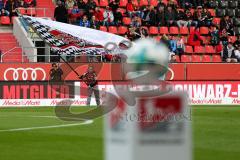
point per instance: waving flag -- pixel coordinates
(71, 39)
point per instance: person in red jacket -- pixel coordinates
(194, 38)
(98, 14)
(130, 8)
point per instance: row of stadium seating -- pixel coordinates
(198, 58)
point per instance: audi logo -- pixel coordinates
(25, 74)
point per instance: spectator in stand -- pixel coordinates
(30, 3)
(207, 18)
(108, 17)
(114, 5)
(198, 18)
(151, 17)
(132, 34)
(69, 4)
(215, 36)
(84, 22)
(194, 38)
(165, 40)
(99, 15)
(227, 23)
(160, 4)
(237, 53)
(197, 3)
(172, 44)
(118, 18)
(94, 23)
(237, 42)
(1, 4)
(173, 4)
(160, 16)
(136, 22)
(189, 18)
(170, 16)
(74, 15)
(228, 54)
(21, 3)
(61, 13)
(4, 12)
(81, 5)
(182, 19)
(142, 32)
(180, 45)
(224, 37)
(186, 4)
(130, 8)
(10, 6)
(90, 8)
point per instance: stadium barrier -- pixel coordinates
(27, 84)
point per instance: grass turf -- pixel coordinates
(215, 135)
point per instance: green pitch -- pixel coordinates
(216, 132)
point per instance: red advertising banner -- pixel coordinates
(105, 71)
(211, 71)
(114, 71)
(40, 72)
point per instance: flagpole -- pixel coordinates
(68, 64)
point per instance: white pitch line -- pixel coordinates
(87, 122)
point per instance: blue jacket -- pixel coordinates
(84, 24)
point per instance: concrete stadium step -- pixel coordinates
(10, 48)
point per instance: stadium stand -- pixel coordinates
(12, 50)
(214, 23)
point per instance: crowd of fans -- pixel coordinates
(8, 7)
(182, 13)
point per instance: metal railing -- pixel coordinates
(48, 57)
(35, 11)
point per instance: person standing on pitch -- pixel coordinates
(90, 78)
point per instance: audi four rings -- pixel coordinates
(25, 75)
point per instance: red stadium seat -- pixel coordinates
(232, 39)
(184, 30)
(216, 20)
(158, 38)
(188, 49)
(103, 28)
(123, 3)
(210, 49)
(177, 58)
(204, 30)
(122, 11)
(173, 30)
(143, 3)
(185, 58)
(212, 11)
(153, 30)
(31, 11)
(135, 3)
(216, 58)
(153, 3)
(22, 10)
(103, 3)
(113, 29)
(126, 20)
(196, 58)
(206, 58)
(5, 20)
(122, 30)
(199, 49)
(163, 30)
